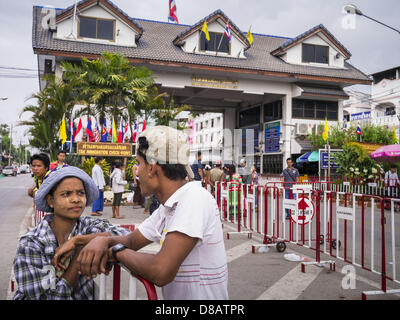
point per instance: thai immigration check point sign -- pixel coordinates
(103, 149)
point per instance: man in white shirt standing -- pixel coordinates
(392, 182)
(191, 263)
(98, 178)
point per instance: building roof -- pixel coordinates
(67, 12)
(322, 91)
(319, 28)
(156, 46)
(218, 14)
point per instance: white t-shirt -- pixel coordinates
(193, 211)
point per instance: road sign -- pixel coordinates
(305, 211)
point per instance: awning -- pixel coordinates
(308, 157)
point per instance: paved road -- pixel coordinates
(14, 204)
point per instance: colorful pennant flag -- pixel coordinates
(359, 129)
(134, 133)
(121, 132)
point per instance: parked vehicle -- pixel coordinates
(9, 171)
(24, 169)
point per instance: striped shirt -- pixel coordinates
(34, 272)
(192, 210)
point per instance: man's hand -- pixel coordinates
(93, 258)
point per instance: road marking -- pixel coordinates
(238, 251)
(292, 285)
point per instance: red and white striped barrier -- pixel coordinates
(350, 227)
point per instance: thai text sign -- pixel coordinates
(104, 149)
(214, 83)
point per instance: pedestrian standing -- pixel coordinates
(197, 169)
(254, 176)
(290, 176)
(392, 182)
(40, 168)
(216, 173)
(191, 263)
(117, 188)
(98, 178)
(138, 199)
(244, 171)
(60, 162)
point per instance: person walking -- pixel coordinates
(60, 162)
(192, 262)
(45, 264)
(290, 176)
(117, 188)
(98, 178)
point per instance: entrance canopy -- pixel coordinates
(308, 157)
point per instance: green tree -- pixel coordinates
(169, 113)
(107, 84)
(55, 100)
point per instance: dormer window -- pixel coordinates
(214, 43)
(315, 53)
(96, 28)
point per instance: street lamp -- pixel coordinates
(3, 98)
(352, 9)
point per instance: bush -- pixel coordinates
(128, 169)
(88, 165)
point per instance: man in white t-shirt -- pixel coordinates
(191, 263)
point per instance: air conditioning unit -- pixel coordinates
(303, 129)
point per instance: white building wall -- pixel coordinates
(125, 36)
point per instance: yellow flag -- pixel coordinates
(394, 134)
(249, 36)
(63, 131)
(205, 30)
(114, 132)
(325, 134)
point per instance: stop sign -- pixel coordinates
(305, 211)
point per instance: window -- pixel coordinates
(314, 53)
(315, 109)
(96, 28)
(218, 42)
(273, 111)
(249, 117)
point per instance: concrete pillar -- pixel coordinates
(287, 127)
(229, 125)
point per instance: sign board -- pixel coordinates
(290, 204)
(305, 211)
(324, 160)
(104, 149)
(272, 136)
(360, 116)
(346, 213)
(214, 83)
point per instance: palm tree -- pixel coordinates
(54, 101)
(169, 113)
(108, 83)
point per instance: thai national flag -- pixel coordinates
(172, 11)
(359, 129)
(228, 32)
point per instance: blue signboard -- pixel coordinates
(272, 136)
(360, 116)
(324, 163)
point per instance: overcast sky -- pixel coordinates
(373, 46)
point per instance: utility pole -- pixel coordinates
(9, 155)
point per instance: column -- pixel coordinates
(287, 127)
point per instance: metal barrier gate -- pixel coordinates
(351, 227)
